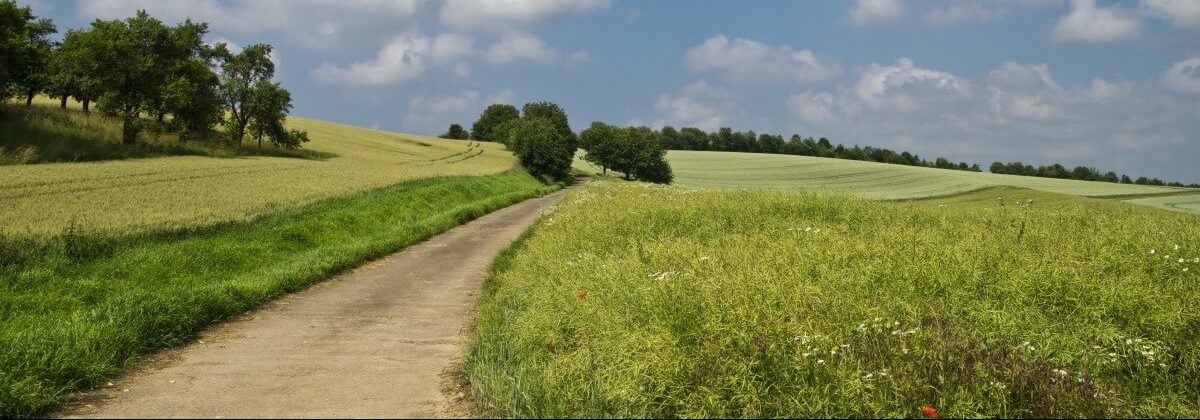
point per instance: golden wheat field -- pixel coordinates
(138, 195)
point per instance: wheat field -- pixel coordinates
(138, 195)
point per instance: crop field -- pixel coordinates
(631, 300)
(878, 180)
(140, 195)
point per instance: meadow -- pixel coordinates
(630, 300)
(883, 181)
(183, 192)
(78, 310)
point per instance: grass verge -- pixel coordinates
(78, 309)
(646, 302)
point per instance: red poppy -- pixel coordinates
(929, 412)
(581, 294)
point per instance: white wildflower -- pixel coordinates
(1181, 260)
(820, 361)
(1151, 252)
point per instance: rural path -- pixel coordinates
(372, 342)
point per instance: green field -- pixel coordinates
(141, 195)
(637, 301)
(878, 180)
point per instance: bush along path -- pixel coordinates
(75, 317)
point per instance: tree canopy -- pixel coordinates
(493, 116)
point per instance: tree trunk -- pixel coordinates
(160, 116)
(86, 105)
(29, 97)
(129, 130)
(62, 102)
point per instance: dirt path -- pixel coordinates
(368, 343)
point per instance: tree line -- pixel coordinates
(142, 71)
(1082, 173)
(541, 137)
(727, 140)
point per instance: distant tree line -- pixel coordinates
(636, 152)
(143, 71)
(727, 140)
(1082, 173)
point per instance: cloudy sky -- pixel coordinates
(1110, 84)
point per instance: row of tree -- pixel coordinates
(1082, 173)
(143, 71)
(727, 140)
(636, 152)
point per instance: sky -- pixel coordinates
(1114, 85)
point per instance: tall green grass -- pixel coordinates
(78, 308)
(639, 301)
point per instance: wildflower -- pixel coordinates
(820, 361)
(929, 412)
(703, 258)
(1181, 260)
(1185, 269)
(1151, 252)
(1176, 247)
(581, 294)
(1196, 260)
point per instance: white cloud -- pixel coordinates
(405, 58)
(1088, 23)
(697, 105)
(867, 12)
(751, 61)
(433, 113)
(906, 87)
(520, 46)
(1181, 13)
(1102, 91)
(963, 11)
(505, 15)
(1184, 76)
(817, 108)
(311, 23)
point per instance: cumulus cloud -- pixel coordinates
(405, 58)
(906, 87)
(432, 113)
(1023, 114)
(505, 15)
(963, 11)
(311, 23)
(1181, 13)
(746, 60)
(1088, 23)
(520, 46)
(1184, 76)
(698, 105)
(868, 12)
(813, 107)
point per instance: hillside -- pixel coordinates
(886, 181)
(188, 191)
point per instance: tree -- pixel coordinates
(599, 142)
(133, 59)
(24, 50)
(552, 113)
(456, 132)
(241, 75)
(493, 116)
(503, 131)
(541, 148)
(268, 108)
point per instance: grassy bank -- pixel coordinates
(636, 301)
(76, 309)
(43, 133)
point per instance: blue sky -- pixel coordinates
(1114, 85)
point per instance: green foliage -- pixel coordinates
(494, 116)
(541, 148)
(503, 131)
(456, 132)
(552, 113)
(636, 152)
(242, 77)
(24, 50)
(77, 310)
(640, 301)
